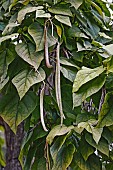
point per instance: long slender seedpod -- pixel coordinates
(42, 108)
(46, 47)
(57, 83)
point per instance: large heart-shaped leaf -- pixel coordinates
(57, 145)
(37, 32)
(76, 3)
(63, 19)
(85, 75)
(64, 157)
(26, 78)
(106, 113)
(88, 89)
(89, 126)
(25, 10)
(85, 149)
(60, 9)
(68, 73)
(14, 111)
(27, 53)
(58, 131)
(102, 146)
(42, 14)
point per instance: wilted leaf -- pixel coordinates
(58, 131)
(27, 53)
(26, 78)
(37, 32)
(14, 111)
(85, 75)
(63, 19)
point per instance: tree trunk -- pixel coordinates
(13, 145)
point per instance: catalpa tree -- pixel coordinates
(56, 85)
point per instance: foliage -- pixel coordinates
(56, 73)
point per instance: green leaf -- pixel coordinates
(25, 10)
(58, 131)
(3, 81)
(4, 38)
(63, 19)
(89, 126)
(9, 28)
(108, 48)
(26, 78)
(76, 3)
(67, 102)
(109, 166)
(57, 145)
(85, 149)
(97, 8)
(64, 157)
(68, 73)
(14, 111)
(37, 32)
(93, 162)
(88, 89)
(74, 31)
(68, 63)
(102, 146)
(42, 14)
(106, 113)
(109, 81)
(60, 9)
(39, 164)
(27, 53)
(82, 164)
(85, 75)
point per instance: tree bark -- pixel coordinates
(13, 146)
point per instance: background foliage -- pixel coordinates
(82, 29)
